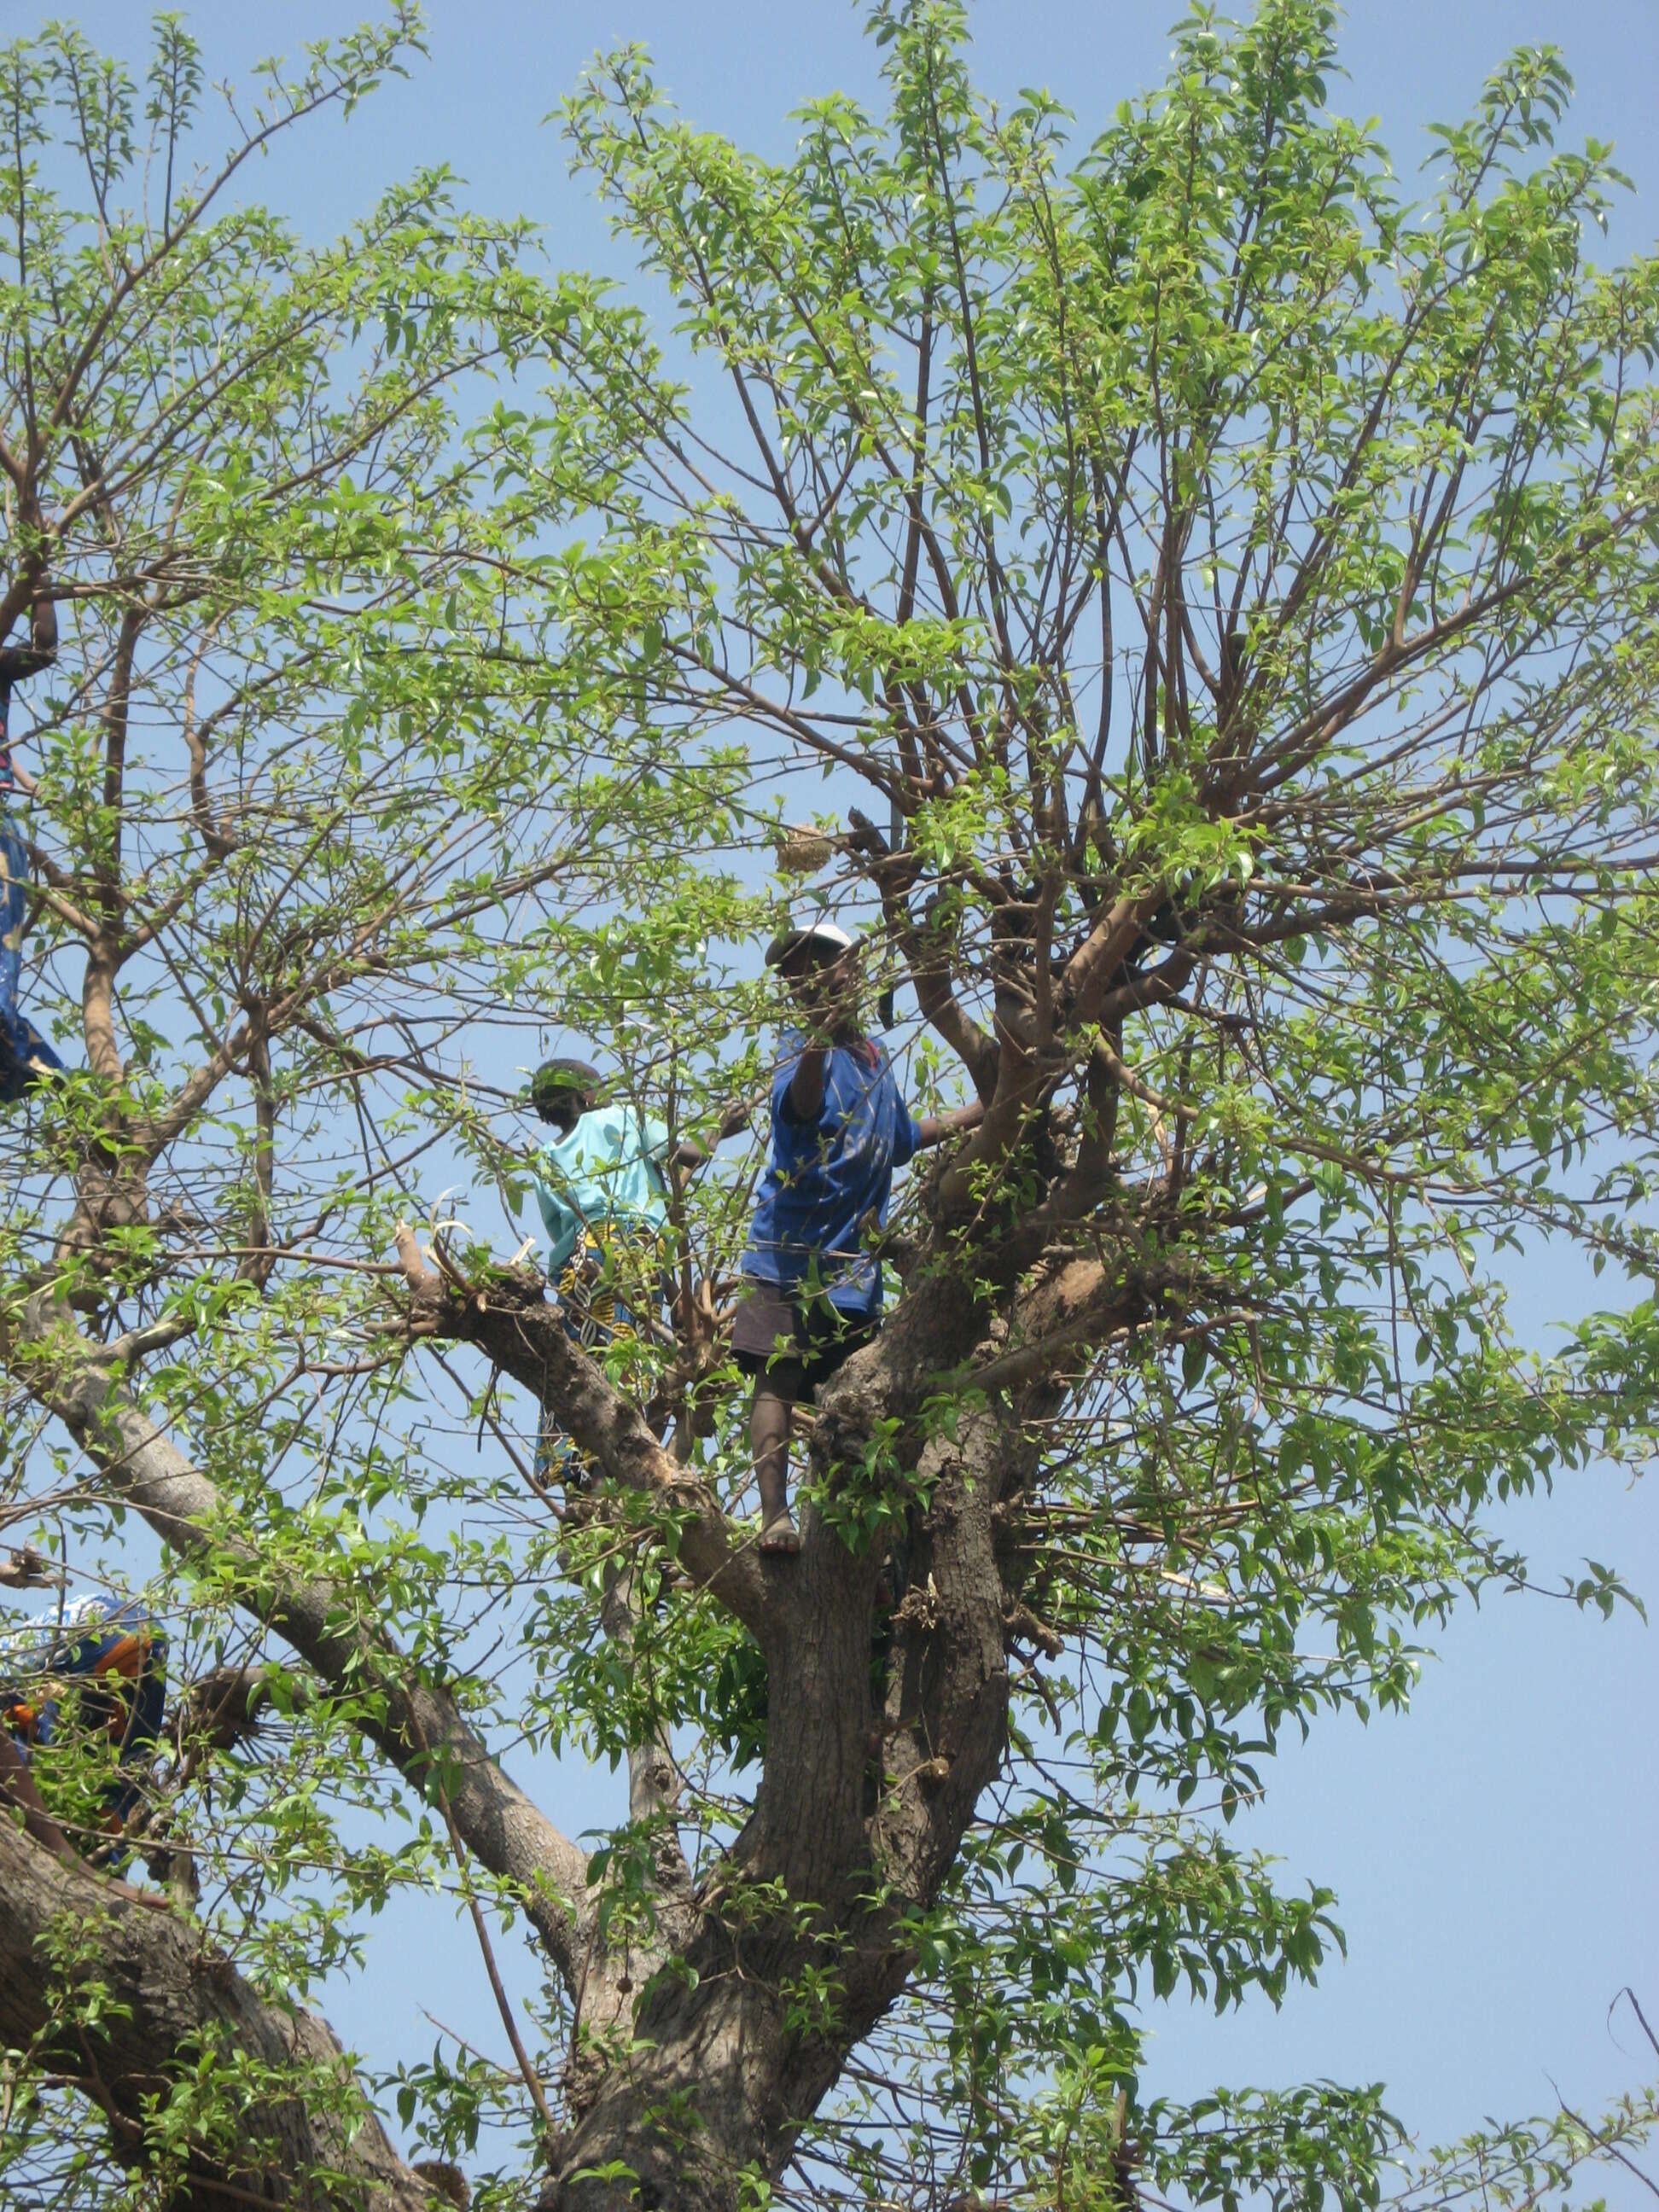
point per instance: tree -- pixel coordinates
(1220, 599)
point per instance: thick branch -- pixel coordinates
(165, 1999)
(419, 1728)
(509, 1318)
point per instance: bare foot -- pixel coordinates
(780, 1539)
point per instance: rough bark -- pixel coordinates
(509, 1319)
(165, 1997)
(702, 2049)
(857, 1820)
(420, 1728)
(707, 2067)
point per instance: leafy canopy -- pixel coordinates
(1209, 601)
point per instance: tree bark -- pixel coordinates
(420, 1728)
(165, 1998)
(795, 1952)
(857, 1821)
(704, 2045)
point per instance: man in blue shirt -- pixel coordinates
(25, 1055)
(813, 1291)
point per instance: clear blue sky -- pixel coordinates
(1494, 1854)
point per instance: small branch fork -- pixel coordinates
(508, 1316)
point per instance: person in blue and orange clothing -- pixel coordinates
(25, 1055)
(96, 1668)
(812, 1291)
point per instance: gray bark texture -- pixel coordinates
(861, 1809)
(699, 2052)
(111, 1996)
(422, 1728)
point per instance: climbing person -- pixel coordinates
(25, 1055)
(812, 1291)
(72, 1678)
(603, 1193)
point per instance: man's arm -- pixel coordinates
(806, 1085)
(934, 1128)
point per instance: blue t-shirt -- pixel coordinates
(826, 1177)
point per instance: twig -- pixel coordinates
(503, 2004)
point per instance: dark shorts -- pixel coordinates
(795, 1343)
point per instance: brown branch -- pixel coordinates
(509, 1320)
(165, 1995)
(416, 1725)
(925, 957)
(219, 839)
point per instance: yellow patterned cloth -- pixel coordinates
(595, 1317)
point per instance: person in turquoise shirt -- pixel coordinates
(604, 1178)
(602, 1191)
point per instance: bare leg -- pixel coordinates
(768, 1444)
(18, 1785)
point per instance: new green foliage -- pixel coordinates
(1205, 591)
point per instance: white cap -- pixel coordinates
(827, 934)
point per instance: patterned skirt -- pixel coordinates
(595, 1317)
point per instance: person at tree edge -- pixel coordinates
(25, 1055)
(114, 1655)
(812, 1292)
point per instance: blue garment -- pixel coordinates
(610, 1169)
(25, 1055)
(116, 1655)
(8, 773)
(827, 1177)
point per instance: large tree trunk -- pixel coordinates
(722, 2074)
(731, 2057)
(703, 2047)
(164, 1999)
(699, 2063)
